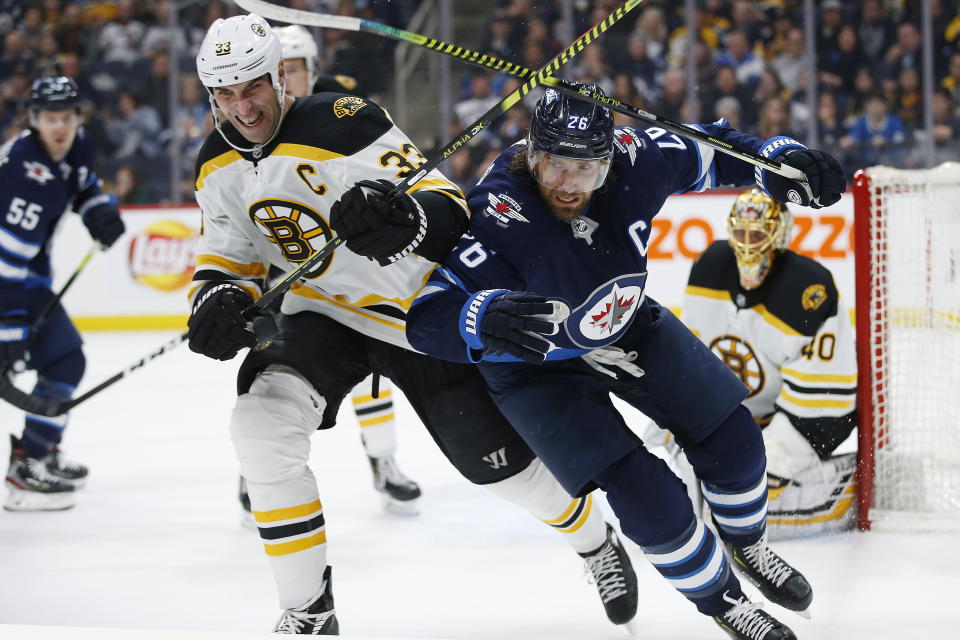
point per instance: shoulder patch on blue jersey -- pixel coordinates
(38, 172)
(626, 140)
(503, 209)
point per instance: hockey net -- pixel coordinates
(907, 232)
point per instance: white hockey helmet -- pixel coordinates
(297, 42)
(240, 49)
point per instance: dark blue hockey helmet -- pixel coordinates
(564, 128)
(54, 93)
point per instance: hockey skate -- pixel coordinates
(31, 487)
(613, 574)
(399, 494)
(247, 520)
(73, 472)
(317, 618)
(745, 621)
(778, 581)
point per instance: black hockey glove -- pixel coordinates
(373, 226)
(825, 180)
(104, 223)
(217, 327)
(14, 332)
(500, 322)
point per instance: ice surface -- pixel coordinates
(155, 540)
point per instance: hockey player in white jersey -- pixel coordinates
(776, 319)
(270, 182)
(375, 413)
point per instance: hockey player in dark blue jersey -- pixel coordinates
(546, 293)
(45, 171)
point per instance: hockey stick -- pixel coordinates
(347, 23)
(48, 407)
(535, 78)
(42, 318)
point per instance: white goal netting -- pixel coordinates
(908, 333)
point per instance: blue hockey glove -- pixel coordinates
(497, 321)
(373, 226)
(825, 182)
(102, 219)
(14, 332)
(217, 327)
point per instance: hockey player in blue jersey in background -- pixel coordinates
(546, 292)
(45, 171)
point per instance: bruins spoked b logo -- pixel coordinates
(739, 356)
(292, 226)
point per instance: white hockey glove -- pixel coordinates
(613, 357)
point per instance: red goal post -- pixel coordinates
(907, 270)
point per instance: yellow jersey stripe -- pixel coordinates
(582, 519)
(305, 152)
(214, 164)
(288, 513)
(286, 548)
(820, 377)
(369, 422)
(566, 514)
(817, 403)
(307, 292)
(704, 292)
(771, 319)
(249, 270)
(369, 398)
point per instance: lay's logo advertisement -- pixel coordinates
(163, 255)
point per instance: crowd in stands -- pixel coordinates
(752, 68)
(751, 60)
(122, 54)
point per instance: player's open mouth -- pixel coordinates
(565, 199)
(251, 123)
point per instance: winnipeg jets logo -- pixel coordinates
(503, 208)
(627, 141)
(38, 171)
(609, 315)
(607, 312)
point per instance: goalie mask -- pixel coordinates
(237, 50)
(570, 143)
(757, 228)
(297, 43)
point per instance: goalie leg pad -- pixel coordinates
(536, 490)
(271, 427)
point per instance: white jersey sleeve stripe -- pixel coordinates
(12, 244)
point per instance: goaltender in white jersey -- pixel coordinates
(276, 180)
(776, 319)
